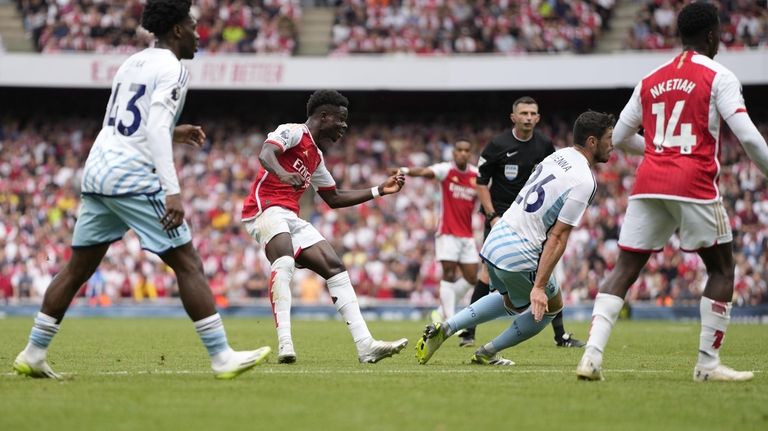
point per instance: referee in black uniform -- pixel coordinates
(505, 165)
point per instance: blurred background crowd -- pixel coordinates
(387, 244)
(428, 27)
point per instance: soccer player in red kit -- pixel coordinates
(681, 106)
(455, 245)
(292, 160)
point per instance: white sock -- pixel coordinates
(447, 299)
(280, 295)
(604, 315)
(343, 296)
(461, 287)
(715, 316)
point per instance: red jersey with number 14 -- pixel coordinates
(299, 155)
(457, 198)
(681, 106)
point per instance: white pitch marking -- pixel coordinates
(263, 370)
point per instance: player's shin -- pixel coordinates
(280, 296)
(344, 298)
(447, 298)
(715, 316)
(487, 308)
(461, 287)
(523, 328)
(604, 315)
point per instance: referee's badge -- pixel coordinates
(510, 171)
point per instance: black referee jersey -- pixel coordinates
(506, 163)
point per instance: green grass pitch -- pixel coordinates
(153, 374)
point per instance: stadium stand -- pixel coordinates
(744, 24)
(461, 26)
(388, 247)
(248, 26)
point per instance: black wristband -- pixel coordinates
(490, 216)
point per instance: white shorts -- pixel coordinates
(276, 220)
(649, 223)
(451, 248)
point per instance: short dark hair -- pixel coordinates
(525, 99)
(325, 97)
(160, 16)
(695, 19)
(591, 123)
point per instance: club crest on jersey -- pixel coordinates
(510, 171)
(176, 94)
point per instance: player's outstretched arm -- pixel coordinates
(626, 139)
(187, 134)
(415, 172)
(553, 251)
(347, 198)
(750, 138)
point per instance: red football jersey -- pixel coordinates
(300, 154)
(681, 106)
(457, 198)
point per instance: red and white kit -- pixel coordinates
(681, 107)
(458, 198)
(272, 206)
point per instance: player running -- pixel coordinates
(681, 106)
(292, 160)
(129, 182)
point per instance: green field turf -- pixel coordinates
(152, 374)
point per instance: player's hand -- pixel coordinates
(393, 184)
(174, 212)
(189, 134)
(292, 179)
(539, 302)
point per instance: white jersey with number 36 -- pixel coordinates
(561, 187)
(120, 162)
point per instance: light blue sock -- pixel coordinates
(211, 332)
(43, 331)
(523, 328)
(483, 310)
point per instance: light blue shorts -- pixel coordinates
(105, 219)
(517, 285)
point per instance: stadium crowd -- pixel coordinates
(387, 244)
(247, 26)
(743, 24)
(462, 26)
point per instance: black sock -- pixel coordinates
(481, 289)
(557, 325)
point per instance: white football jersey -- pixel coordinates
(560, 188)
(120, 162)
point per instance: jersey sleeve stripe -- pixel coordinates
(275, 143)
(326, 188)
(740, 110)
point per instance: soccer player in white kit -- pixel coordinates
(129, 182)
(455, 245)
(523, 247)
(292, 160)
(681, 106)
